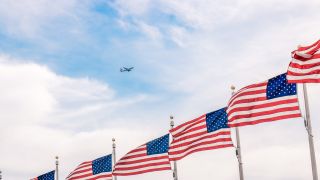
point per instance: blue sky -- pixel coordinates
(62, 92)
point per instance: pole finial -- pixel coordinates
(233, 87)
(57, 160)
(171, 121)
(113, 143)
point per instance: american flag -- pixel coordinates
(305, 64)
(207, 132)
(152, 156)
(46, 176)
(100, 168)
(272, 100)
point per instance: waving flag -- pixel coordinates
(152, 156)
(272, 100)
(100, 168)
(47, 176)
(207, 132)
(305, 64)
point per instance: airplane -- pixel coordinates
(126, 69)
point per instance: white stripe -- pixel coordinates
(141, 163)
(141, 158)
(264, 117)
(81, 168)
(236, 96)
(192, 132)
(302, 71)
(199, 142)
(303, 54)
(261, 95)
(244, 112)
(142, 169)
(305, 77)
(177, 142)
(80, 174)
(183, 128)
(199, 147)
(310, 61)
(141, 150)
(85, 178)
(261, 102)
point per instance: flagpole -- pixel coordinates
(175, 170)
(114, 155)
(238, 148)
(0, 175)
(310, 135)
(57, 168)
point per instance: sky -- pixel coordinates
(61, 91)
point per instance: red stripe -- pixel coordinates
(141, 166)
(191, 129)
(101, 176)
(204, 128)
(241, 101)
(80, 171)
(141, 160)
(248, 92)
(79, 177)
(270, 112)
(82, 165)
(300, 58)
(265, 120)
(303, 48)
(265, 105)
(304, 66)
(314, 72)
(140, 148)
(89, 176)
(199, 144)
(245, 89)
(190, 123)
(210, 135)
(141, 172)
(202, 149)
(307, 80)
(134, 156)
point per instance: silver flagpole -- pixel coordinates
(310, 135)
(0, 175)
(238, 148)
(114, 155)
(57, 168)
(175, 170)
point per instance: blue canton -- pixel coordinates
(103, 164)
(216, 120)
(279, 87)
(47, 176)
(158, 146)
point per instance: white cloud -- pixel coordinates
(229, 43)
(29, 18)
(44, 114)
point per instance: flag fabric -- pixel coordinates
(152, 156)
(46, 176)
(207, 132)
(100, 168)
(305, 64)
(272, 100)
